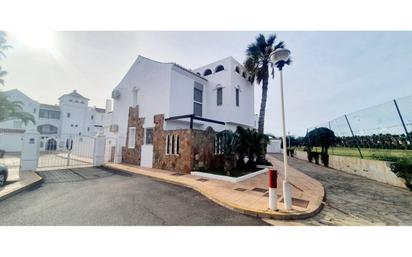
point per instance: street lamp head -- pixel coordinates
(280, 56)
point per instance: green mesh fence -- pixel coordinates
(379, 132)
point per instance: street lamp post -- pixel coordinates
(279, 57)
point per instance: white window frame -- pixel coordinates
(168, 144)
(237, 96)
(145, 135)
(177, 145)
(199, 87)
(135, 97)
(217, 96)
(131, 142)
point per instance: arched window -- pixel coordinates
(237, 69)
(207, 72)
(219, 68)
(244, 74)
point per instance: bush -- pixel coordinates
(401, 166)
(403, 169)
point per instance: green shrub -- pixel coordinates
(403, 169)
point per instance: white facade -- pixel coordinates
(169, 89)
(55, 123)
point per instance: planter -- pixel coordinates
(227, 178)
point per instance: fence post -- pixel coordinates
(99, 149)
(403, 123)
(118, 149)
(30, 151)
(353, 135)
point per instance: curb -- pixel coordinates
(26, 187)
(234, 207)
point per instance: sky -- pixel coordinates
(333, 73)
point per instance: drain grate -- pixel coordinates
(259, 189)
(202, 180)
(240, 189)
(298, 202)
(177, 174)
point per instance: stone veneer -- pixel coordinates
(133, 155)
(196, 149)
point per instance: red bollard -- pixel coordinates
(273, 184)
(273, 178)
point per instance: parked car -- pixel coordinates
(4, 172)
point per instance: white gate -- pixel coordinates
(74, 151)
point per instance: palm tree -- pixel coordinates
(3, 47)
(258, 64)
(12, 110)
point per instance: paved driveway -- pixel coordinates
(354, 200)
(91, 196)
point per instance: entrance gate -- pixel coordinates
(74, 151)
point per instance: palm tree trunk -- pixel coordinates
(261, 123)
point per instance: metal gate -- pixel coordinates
(72, 151)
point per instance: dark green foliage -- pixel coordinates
(378, 141)
(240, 144)
(253, 146)
(12, 110)
(403, 168)
(322, 137)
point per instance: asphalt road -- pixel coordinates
(354, 200)
(92, 196)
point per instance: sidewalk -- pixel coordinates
(27, 180)
(250, 196)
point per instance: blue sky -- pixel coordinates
(333, 73)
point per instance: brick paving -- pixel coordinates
(249, 196)
(354, 200)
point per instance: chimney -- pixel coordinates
(108, 105)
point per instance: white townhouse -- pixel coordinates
(220, 91)
(168, 115)
(55, 123)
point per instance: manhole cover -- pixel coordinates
(240, 189)
(202, 180)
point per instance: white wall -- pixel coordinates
(229, 80)
(274, 146)
(152, 80)
(11, 142)
(79, 116)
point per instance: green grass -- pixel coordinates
(368, 153)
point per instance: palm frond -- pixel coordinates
(271, 39)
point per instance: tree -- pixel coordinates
(322, 137)
(3, 47)
(12, 110)
(258, 65)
